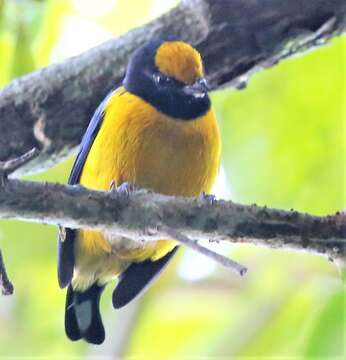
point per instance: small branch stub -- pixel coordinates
(194, 245)
(10, 166)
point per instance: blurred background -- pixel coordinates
(283, 146)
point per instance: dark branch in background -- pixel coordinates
(7, 168)
(144, 216)
(6, 286)
(50, 109)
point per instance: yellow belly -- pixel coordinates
(140, 145)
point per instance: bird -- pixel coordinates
(157, 131)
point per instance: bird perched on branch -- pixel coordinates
(157, 131)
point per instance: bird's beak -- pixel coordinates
(198, 88)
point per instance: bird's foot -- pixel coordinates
(113, 186)
(207, 198)
(124, 188)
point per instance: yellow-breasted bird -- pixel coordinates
(158, 131)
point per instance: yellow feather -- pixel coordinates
(180, 61)
(138, 144)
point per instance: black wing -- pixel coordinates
(137, 277)
(65, 242)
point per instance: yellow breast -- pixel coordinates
(140, 145)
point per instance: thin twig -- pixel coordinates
(9, 166)
(5, 284)
(194, 245)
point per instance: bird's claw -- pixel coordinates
(113, 186)
(207, 198)
(124, 188)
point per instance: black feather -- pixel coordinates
(71, 326)
(87, 141)
(65, 258)
(136, 278)
(66, 247)
(82, 315)
(170, 99)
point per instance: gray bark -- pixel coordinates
(144, 216)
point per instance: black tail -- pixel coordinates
(137, 277)
(82, 315)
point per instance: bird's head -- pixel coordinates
(169, 75)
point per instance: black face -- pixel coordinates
(168, 95)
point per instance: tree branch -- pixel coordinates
(6, 286)
(10, 166)
(144, 216)
(50, 108)
(7, 168)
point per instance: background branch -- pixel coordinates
(50, 108)
(6, 286)
(144, 216)
(7, 168)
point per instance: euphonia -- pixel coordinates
(157, 131)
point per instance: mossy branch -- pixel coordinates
(141, 216)
(145, 216)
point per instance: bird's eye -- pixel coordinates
(160, 79)
(157, 78)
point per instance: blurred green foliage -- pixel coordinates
(283, 146)
(290, 135)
